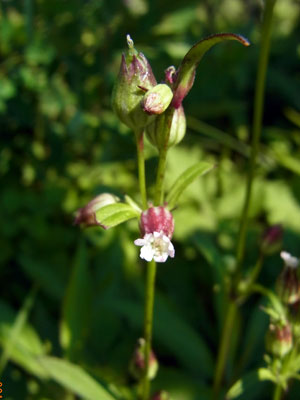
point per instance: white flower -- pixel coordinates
(289, 260)
(155, 245)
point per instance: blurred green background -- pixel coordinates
(61, 144)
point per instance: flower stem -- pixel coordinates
(256, 133)
(257, 125)
(141, 168)
(148, 322)
(159, 194)
(277, 392)
(224, 346)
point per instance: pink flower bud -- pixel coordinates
(162, 395)
(137, 363)
(272, 239)
(279, 339)
(288, 283)
(87, 215)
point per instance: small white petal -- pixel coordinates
(140, 242)
(146, 253)
(162, 258)
(289, 260)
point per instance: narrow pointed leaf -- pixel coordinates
(115, 214)
(185, 179)
(187, 69)
(74, 378)
(75, 319)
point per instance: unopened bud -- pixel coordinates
(157, 99)
(168, 129)
(137, 363)
(272, 239)
(135, 78)
(288, 283)
(294, 318)
(162, 395)
(86, 216)
(279, 339)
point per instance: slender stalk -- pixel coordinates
(148, 322)
(257, 125)
(159, 194)
(141, 168)
(256, 133)
(224, 346)
(277, 392)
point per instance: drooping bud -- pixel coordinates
(137, 363)
(157, 227)
(162, 395)
(157, 99)
(279, 339)
(168, 129)
(86, 216)
(135, 78)
(288, 283)
(272, 239)
(170, 74)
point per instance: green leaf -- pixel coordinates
(77, 300)
(187, 69)
(115, 214)
(249, 384)
(24, 347)
(185, 179)
(74, 378)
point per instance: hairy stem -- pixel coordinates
(148, 323)
(141, 168)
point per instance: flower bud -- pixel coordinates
(157, 227)
(272, 239)
(157, 99)
(279, 339)
(135, 77)
(167, 129)
(137, 363)
(86, 216)
(288, 283)
(162, 395)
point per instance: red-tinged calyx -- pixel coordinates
(157, 219)
(135, 77)
(272, 239)
(162, 395)
(137, 363)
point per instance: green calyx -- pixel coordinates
(168, 129)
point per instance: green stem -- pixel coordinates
(257, 125)
(277, 392)
(141, 168)
(256, 132)
(148, 322)
(224, 346)
(159, 194)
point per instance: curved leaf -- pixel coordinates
(185, 179)
(115, 214)
(74, 378)
(187, 69)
